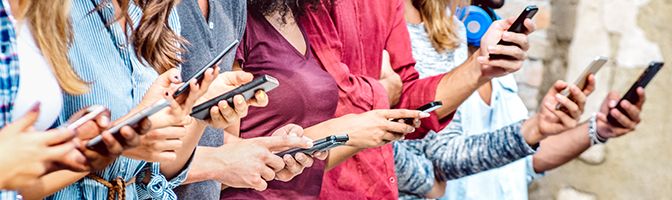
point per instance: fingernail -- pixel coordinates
(105, 121)
(482, 59)
(558, 97)
(176, 77)
(612, 103)
(424, 115)
(491, 48)
(167, 94)
(241, 100)
(35, 107)
(412, 130)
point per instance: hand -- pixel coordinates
(29, 155)
(294, 165)
(248, 163)
(223, 115)
(158, 145)
(178, 112)
(629, 120)
(489, 45)
(375, 128)
(390, 80)
(553, 121)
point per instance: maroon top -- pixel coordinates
(307, 95)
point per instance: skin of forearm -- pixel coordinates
(196, 174)
(51, 183)
(562, 148)
(530, 131)
(190, 142)
(458, 84)
(336, 155)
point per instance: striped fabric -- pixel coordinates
(102, 56)
(9, 74)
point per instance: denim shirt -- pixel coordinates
(9, 74)
(102, 56)
(507, 182)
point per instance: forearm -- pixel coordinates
(198, 171)
(51, 183)
(560, 149)
(189, 142)
(457, 85)
(336, 155)
(456, 156)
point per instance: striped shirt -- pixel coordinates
(102, 56)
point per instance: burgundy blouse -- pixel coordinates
(307, 95)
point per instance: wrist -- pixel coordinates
(531, 132)
(475, 69)
(593, 133)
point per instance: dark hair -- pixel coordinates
(297, 7)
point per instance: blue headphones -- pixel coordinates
(478, 20)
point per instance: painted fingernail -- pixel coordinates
(167, 94)
(612, 103)
(424, 115)
(35, 107)
(241, 100)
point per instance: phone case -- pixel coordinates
(265, 83)
(631, 95)
(323, 144)
(199, 75)
(431, 106)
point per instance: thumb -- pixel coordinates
(26, 122)
(168, 77)
(237, 77)
(274, 143)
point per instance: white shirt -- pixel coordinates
(37, 82)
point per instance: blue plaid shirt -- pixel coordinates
(9, 74)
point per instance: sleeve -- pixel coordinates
(159, 187)
(415, 92)
(531, 174)
(357, 94)
(415, 173)
(455, 155)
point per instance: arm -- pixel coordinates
(560, 149)
(190, 141)
(51, 183)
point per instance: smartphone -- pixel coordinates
(427, 108)
(631, 95)
(97, 143)
(91, 113)
(517, 27)
(323, 144)
(198, 76)
(264, 82)
(581, 81)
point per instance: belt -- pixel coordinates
(117, 186)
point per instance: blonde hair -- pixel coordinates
(440, 27)
(50, 25)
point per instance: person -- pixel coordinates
(213, 25)
(348, 38)
(32, 45)
(436, 38)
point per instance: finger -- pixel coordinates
(60, 150)
(260, 99)
(590, 85)
(259, 184)
(241, 105)
(503, 65)
(274, 162)
(113, 146)
(194, 94)
(282, 142)
(174, 132)
(217, 116)
(573, 109)
(390, 137)
(57, 136)
(578, 97)
(168, 145)
(267, 174)
(519, 39)
(291, 164)
(210, 76)
(642, 97)
(400, 113)
(321, 155)
(632, 111)
(25, 122)
(530, 26)
(289, 129)
(622, 119)
(304, 160)
(237, 77)
(131, 138)
(562, 116)
(396, 127)
(558, 87)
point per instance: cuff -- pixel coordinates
(159, 187)
(531, 174)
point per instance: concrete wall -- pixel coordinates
(632, 33)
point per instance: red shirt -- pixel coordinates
(348, 39)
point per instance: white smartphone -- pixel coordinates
(582, 80)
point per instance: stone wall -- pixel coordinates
(632, 33)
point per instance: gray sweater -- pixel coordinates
(226, 22)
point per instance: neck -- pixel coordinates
(412, 14)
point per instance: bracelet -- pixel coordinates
(595, 138)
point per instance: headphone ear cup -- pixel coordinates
(476, 21)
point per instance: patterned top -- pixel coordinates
(9, 72)
(428, 61)
(101, 56)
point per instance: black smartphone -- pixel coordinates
(631, 95)
(323, 144)
(264, 82)
(517, 27)
(581, 81)
(97, 143)
(91, 113)
(427, 108)
(198, 76)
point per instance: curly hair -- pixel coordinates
(297, 7)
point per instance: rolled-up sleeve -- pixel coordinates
(159, 187)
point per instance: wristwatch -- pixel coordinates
(595, 138)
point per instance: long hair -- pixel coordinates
(440, 27)
(50, 25)
(155, 43)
